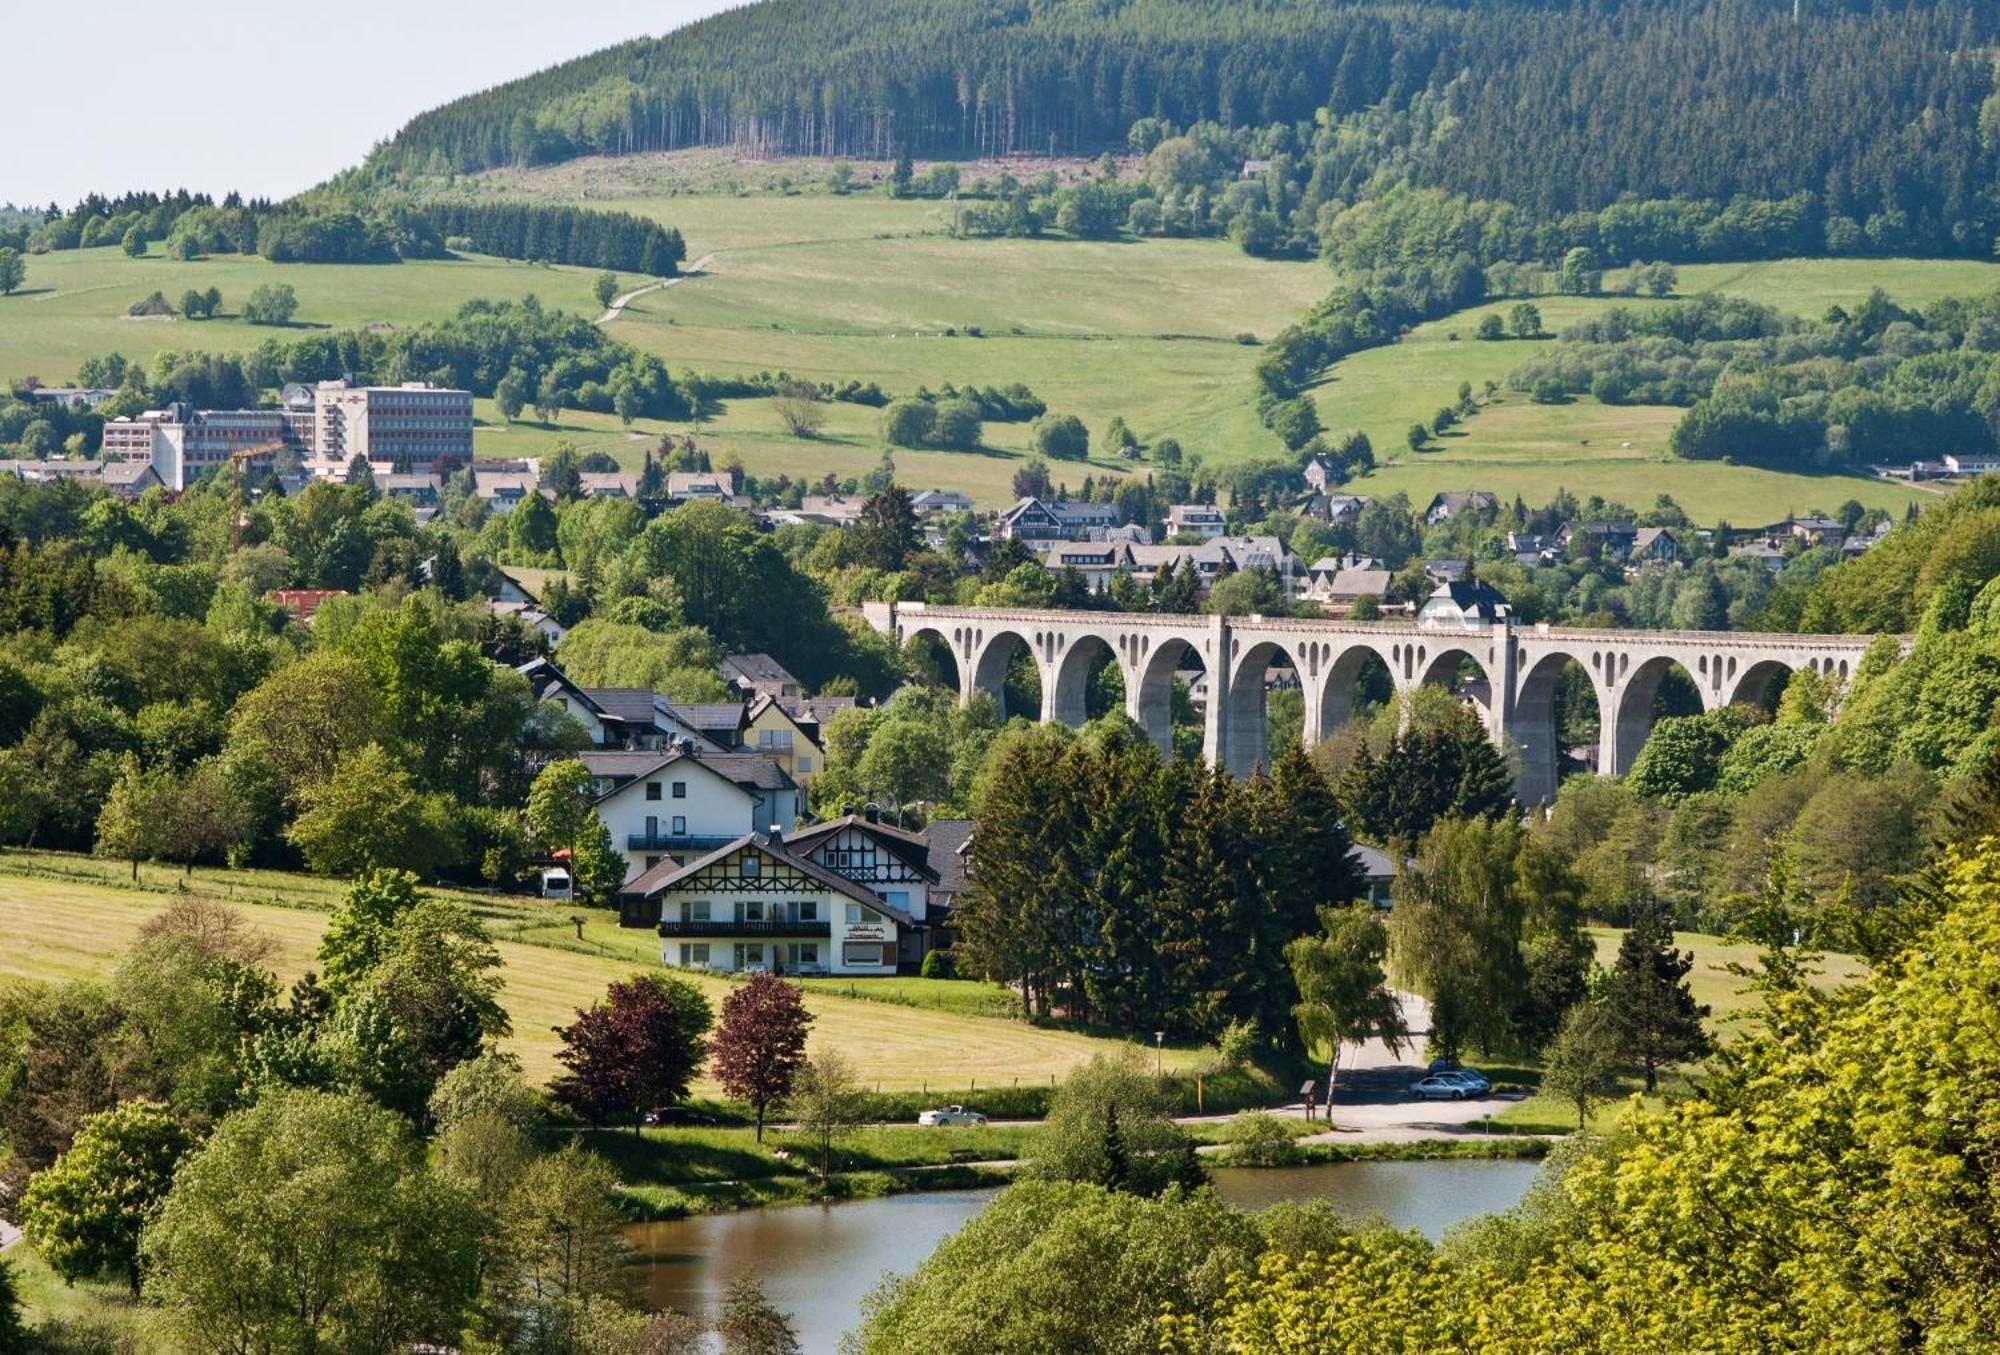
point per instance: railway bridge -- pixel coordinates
(1518, 669)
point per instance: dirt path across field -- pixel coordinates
(619, 303)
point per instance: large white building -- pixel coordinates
(425, 429)
(684, 800)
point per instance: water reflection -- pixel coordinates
(817, 1262)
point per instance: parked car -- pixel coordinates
(949, 1115)
(1442, 1087)
(682, 1115)
(1477, 1081)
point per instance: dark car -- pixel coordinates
(667, 1116)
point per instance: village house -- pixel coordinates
(504, 491)
(418, 491)
(758, 904)
(837, 510)
(1336, 510)
(1457, 503)
(703, 486)
(1204, 520)
(930, 503)
(756, 675)
(608, 485)
(1032, 519)
(894, 864)
(683, 800)
(781, 731)
(1654, 546)
(1338, 585)
(1096, 562)
(553, 686)
(1466, 605)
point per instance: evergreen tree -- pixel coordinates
(1647, 994)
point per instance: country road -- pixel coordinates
(619, 303)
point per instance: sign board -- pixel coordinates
(866, 931)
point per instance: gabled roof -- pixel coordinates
(707, 716)
(818, 711)
(667, 874)
(1472, 596)
(757, 670)
(632, 705)
(748, 771)
(950, 843)
(909, 847)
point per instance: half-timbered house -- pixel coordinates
(891, 863)
(759, 904)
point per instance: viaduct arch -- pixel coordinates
(1511, 672)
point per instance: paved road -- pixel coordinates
(1372, 1101)
(619, 303)
(9, 1235)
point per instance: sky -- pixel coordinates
(262, 98)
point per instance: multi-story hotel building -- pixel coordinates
(424, 428)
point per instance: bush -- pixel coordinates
(909, 423)
(1258, 1138)
(1062, 437)
(940, 964)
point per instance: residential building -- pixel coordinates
(416, 425)
(1447, 571)
(1604, 540)
(1454, 504)
(1971, 464)
(683, 801)
(72, 397)
(1338, 587)
(1032, 519)
(838, 510)
(1763, 552)
(1466, 605)
(757, 904)
(130, 479)
(937, 502)
(950, 843)
(1378, 873)
(127, 479)
(1094, 561)
(772, 729)
(894, 864)
(760, 675)
(1654, 546)
(1204, 520)
(302, 604)
(695, 486)
(1337, 510)
(553, 686)
(608, 485)
(502, 491)
(640, 718)
(419, 490)
(532, 615)
(1323, 472)
(720, 722)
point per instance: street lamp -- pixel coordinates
(1159, 1053)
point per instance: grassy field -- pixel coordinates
(73, 303)
(65, 917)
(1730, 1004)
(1513, 446)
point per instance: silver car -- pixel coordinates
(1442, 1087)
(950, 1115)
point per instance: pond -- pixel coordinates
(816, 1262)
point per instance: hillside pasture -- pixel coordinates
(73, 304)
(67, 917)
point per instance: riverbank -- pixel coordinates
(678, 1173)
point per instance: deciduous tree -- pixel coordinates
(84, 1213)
(637, 1049)
(761, 1044)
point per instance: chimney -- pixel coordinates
(872, 814)
(778, 834)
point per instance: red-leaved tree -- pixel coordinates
(638, 1048)
(761, 1043)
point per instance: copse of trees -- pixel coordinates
(566, 235)
(1088, 902)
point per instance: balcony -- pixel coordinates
(673, 842)
(726, 928)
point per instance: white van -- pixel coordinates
(555, 883)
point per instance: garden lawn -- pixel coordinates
(64, 917)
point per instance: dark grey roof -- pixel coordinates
(667, 874)
(1375, 863)
(708, 715)
(753, 771)
(818, 710)
(755, 668)
(948, 839)
(633, 705)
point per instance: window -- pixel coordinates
(805, 764)
(753, 866)
(749, 955)
(652, 825)
(898, 899)
(808, 910)
(652, 790)
(652, 861)
(700, 951)
(862, 953)
(749, 910)
(680, 825)
(680, 790)
(809, 953)
(854, 914)
(697, 911)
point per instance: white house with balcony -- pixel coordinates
(679, 803)
(757, 903)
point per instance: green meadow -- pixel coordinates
(867, 288)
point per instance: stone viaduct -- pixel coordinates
(1518, 667)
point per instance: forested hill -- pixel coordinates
(1553, 104)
